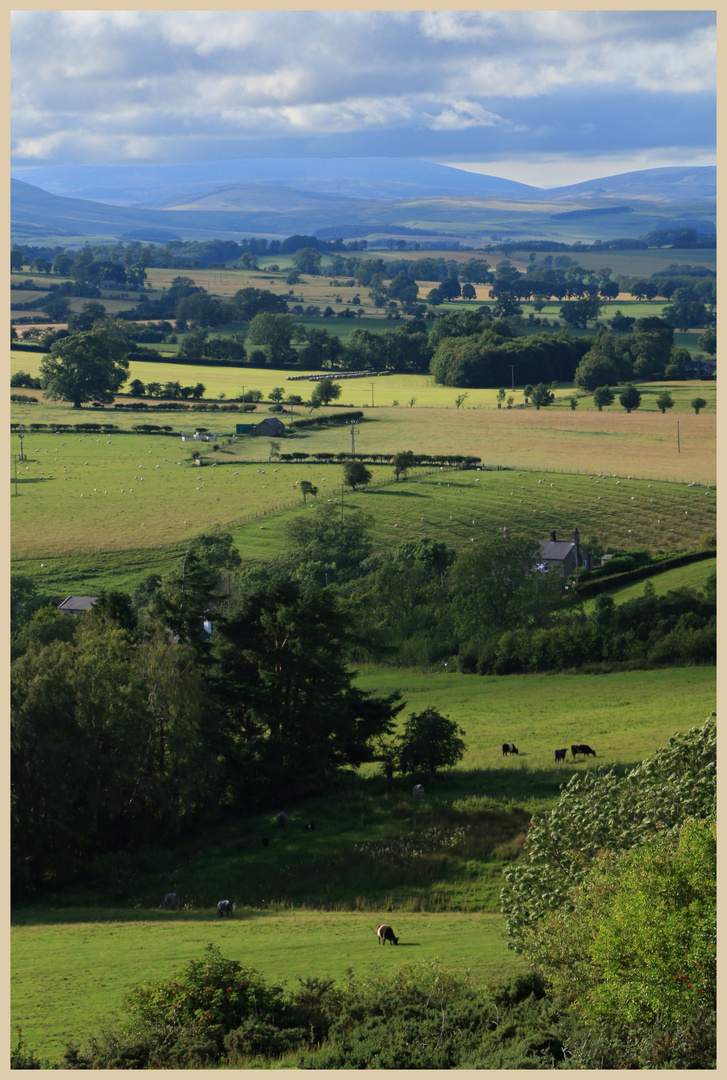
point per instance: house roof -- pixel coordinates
(557, 550)
(77, 603)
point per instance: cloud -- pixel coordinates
(125, 83)
(463, 114)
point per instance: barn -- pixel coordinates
(269, 426)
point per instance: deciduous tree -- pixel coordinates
(90, 366)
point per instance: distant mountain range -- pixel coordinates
(348, 197)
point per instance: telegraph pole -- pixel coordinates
(353, 443)
(372, 395)
(679, 445)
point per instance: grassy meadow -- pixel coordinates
(307, 905)
(105, 957)
(85, 498)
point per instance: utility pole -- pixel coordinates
(353, 441)
(679, 445)
(341, 504)
(372, 395)
(512, 368)
(16, 473)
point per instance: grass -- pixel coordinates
(69, 979)
(308, 903)
(84, 511)
(692, 576)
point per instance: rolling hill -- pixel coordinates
(348, 198)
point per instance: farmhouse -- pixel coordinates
(702, 368)
(76, 605)
(563, 555)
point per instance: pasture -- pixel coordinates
(139, 497)
(691, 576)
(308, 903)
(68, 979)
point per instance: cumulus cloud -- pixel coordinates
(124, 84)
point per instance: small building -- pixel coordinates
(243, 429)
(77, 605)
(563, 556)
(269, 426)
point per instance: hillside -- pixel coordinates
(346, 198)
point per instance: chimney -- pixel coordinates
(552, 535)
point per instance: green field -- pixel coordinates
(71, 966)
(102, 958)
(82, 498)
(692, 576)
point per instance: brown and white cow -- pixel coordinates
(385, 933)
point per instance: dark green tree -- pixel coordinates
(274, 332)
(355, 474)
(602, 395)
(430, 741)
(698, 403)
(325, 544)
(283, 677)
(324, 392)
(664, 401)
(90, 366)
(630, 397)
(403, 462)
(542, 396)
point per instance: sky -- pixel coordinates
(543, 97)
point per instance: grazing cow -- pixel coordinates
(417, 791)
(509, 748)
(581, 748)
(225, 908)
(282, 819)
(385, 933)
(310, 826)
(169, 900)
(560, 754)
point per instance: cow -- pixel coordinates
(509, 748)
(225, 908)
(560, 754)
(282, 819)
(417, 791)
(169, 900)
(309, 827)
(385, 933)
(581, 748)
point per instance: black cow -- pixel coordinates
(509, 748)
(560, 754)
(282, 819)
(225, 908)
(169, 900)
(581, 748)
(385, 933)
(310, 826)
